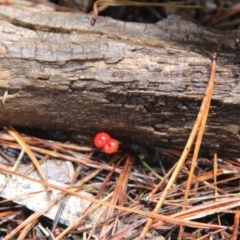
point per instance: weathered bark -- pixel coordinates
(139, 82)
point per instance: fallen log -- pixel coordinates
(139, 82)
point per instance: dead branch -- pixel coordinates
(139, 82)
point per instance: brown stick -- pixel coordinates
(199, 121)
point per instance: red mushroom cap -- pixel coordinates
(101, 139)
(111, 146)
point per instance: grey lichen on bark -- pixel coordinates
(141, 82)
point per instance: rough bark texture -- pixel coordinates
(138, 82)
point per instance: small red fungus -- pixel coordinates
(111, 146)
(101, 139)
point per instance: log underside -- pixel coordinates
(142, 83)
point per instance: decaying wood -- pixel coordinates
(17, 186)
(139, 82)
